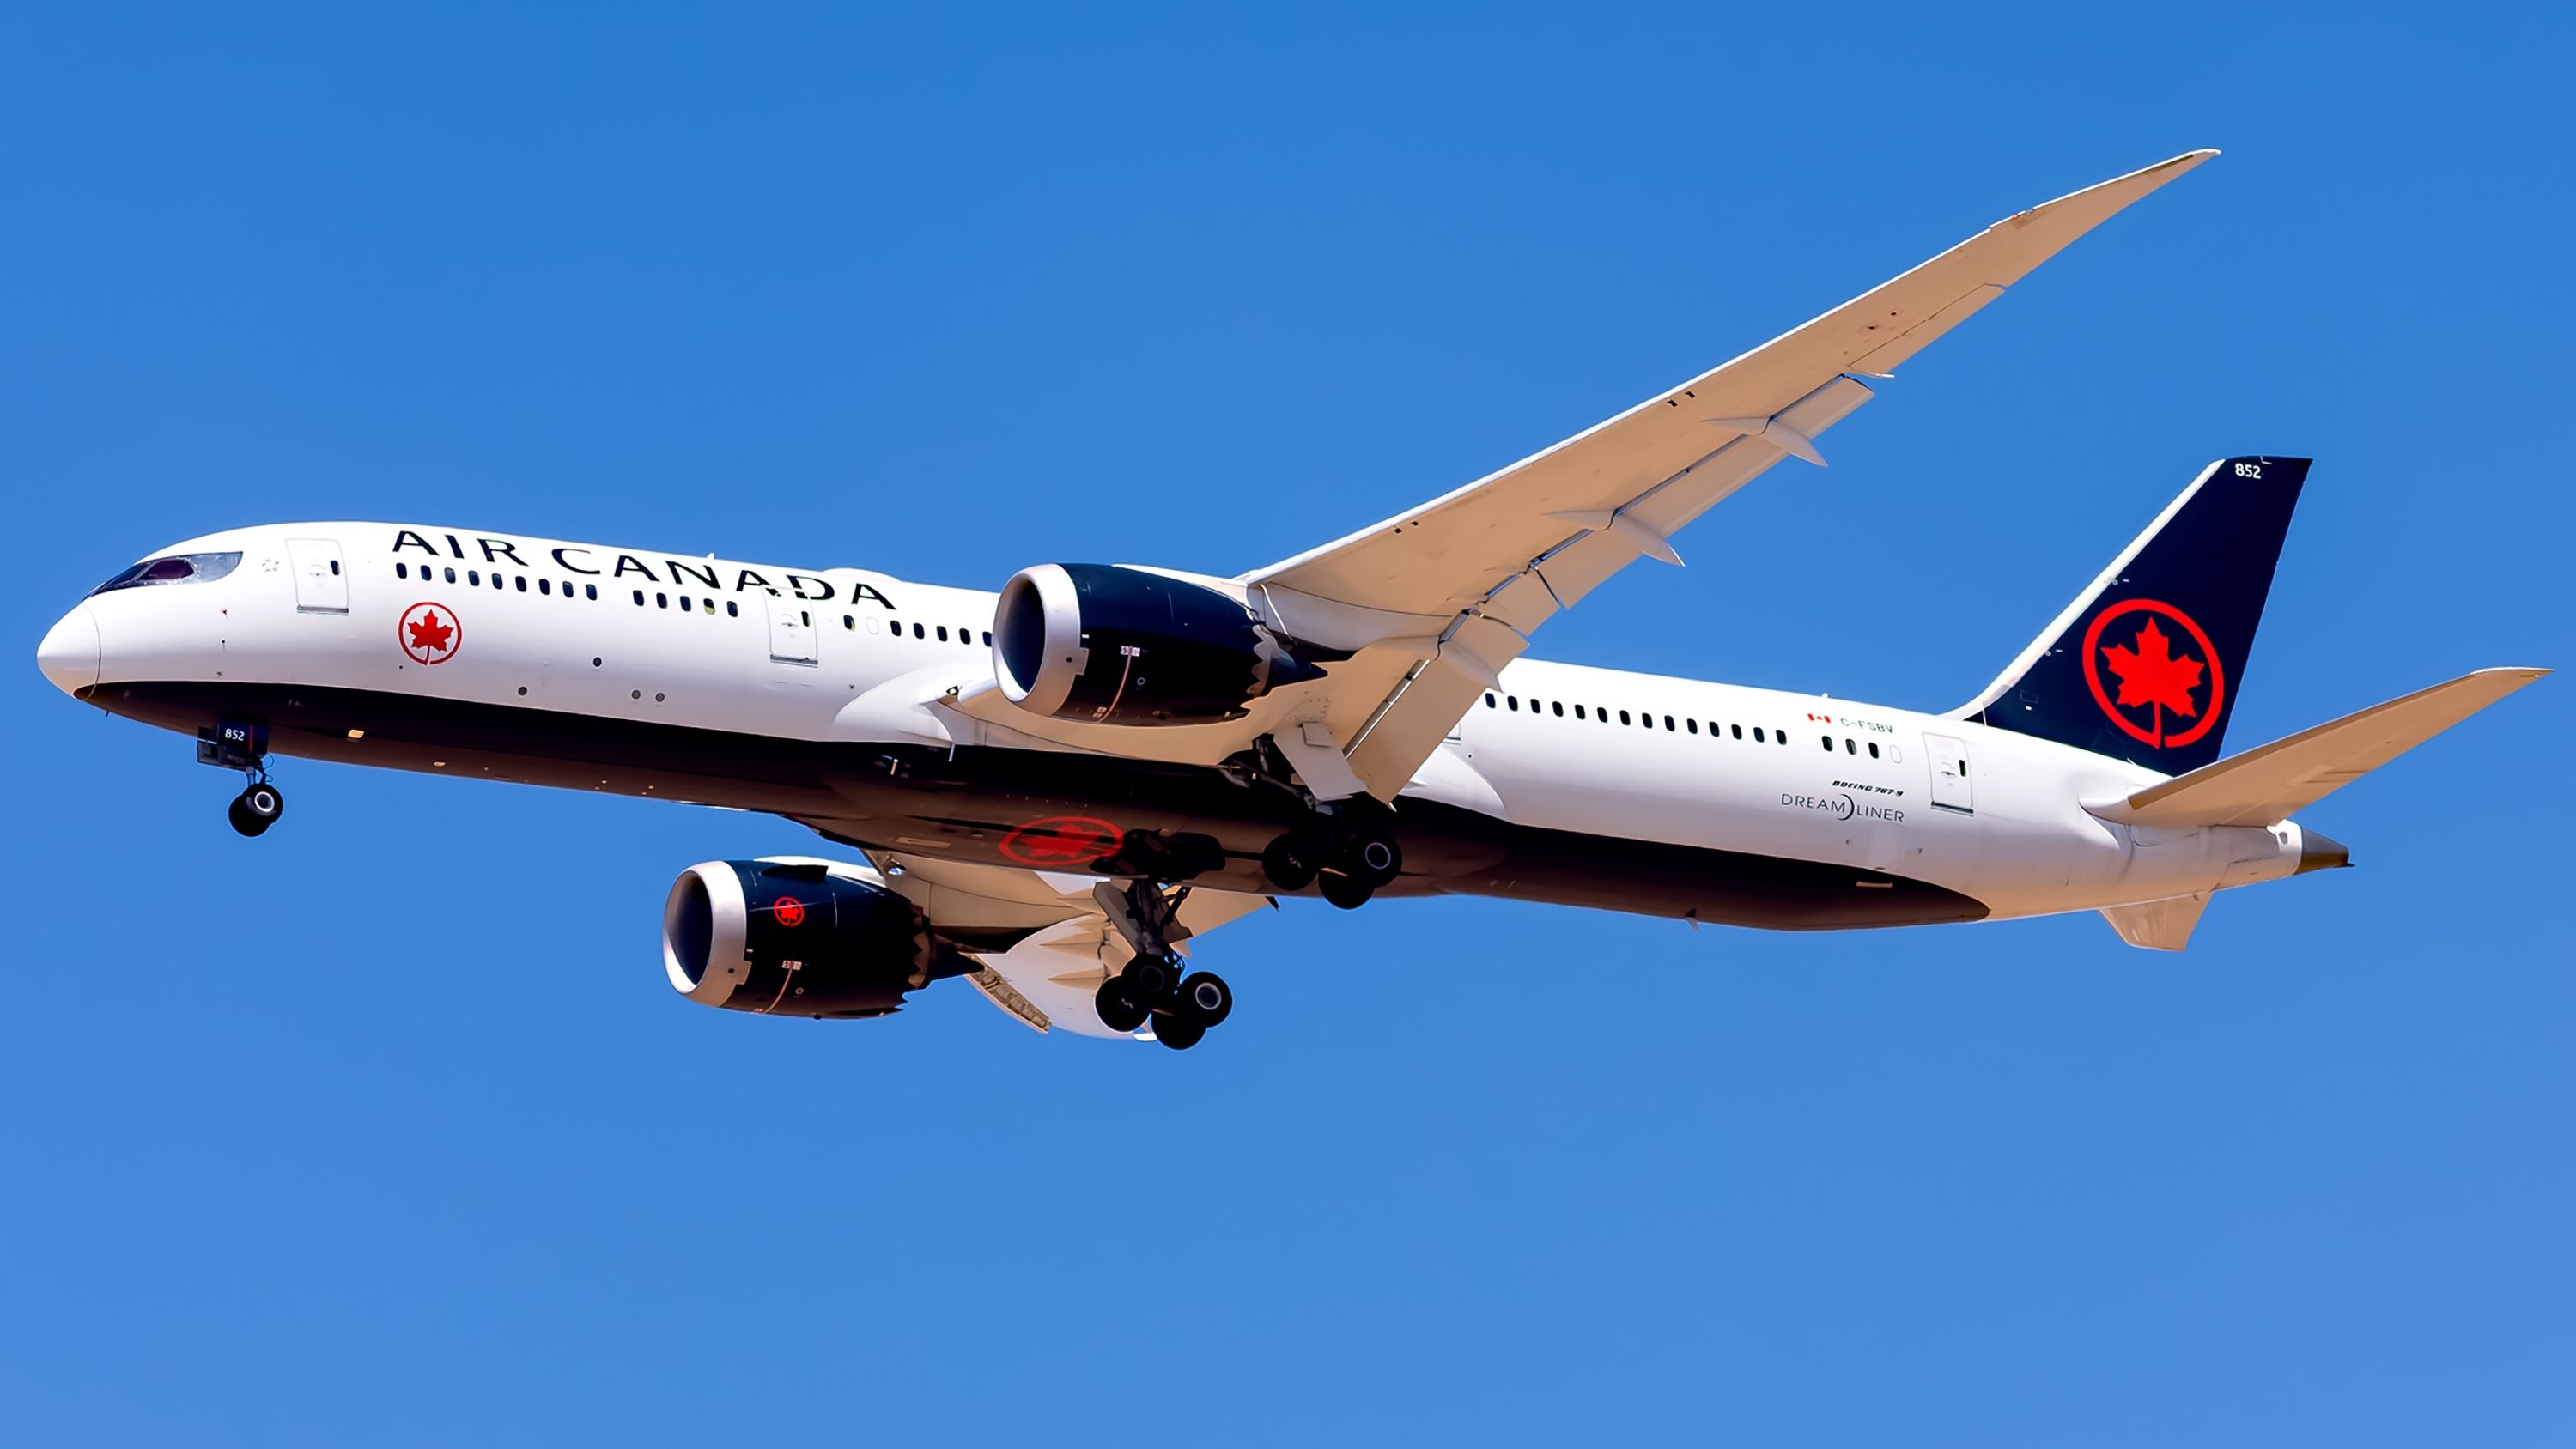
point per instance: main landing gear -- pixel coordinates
(234, 745)
(1152, 986)
(1346, 862)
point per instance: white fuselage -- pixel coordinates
(810, 655)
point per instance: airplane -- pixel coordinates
(1054, 788)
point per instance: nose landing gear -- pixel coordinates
(257, 807)
(233, 745)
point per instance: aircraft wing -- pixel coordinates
(1435, 600)
(1052, 943)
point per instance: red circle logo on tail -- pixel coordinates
(429, 633)
(2166, 684)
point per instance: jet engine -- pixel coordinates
(1111, 644)
(797, 938)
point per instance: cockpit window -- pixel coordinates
(178, 568)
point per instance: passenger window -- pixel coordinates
(709, 605)
(451, 575)
(916, 631)
(1557, 707)
(988, 636)
(684, 603)
(1668, 721)
(1873, 749)
(661, 601)
(943, 633)
(545, 586)
(402, 571)
(590, 591)
(335, 567)
(1849, 746)
(1578, 711)
(1490, 701)
(522, 581)
(1757, 734)
(1828, 742)
(849, 624)
(1514, 701)
(1694, 725)
(733, 609)
(474, 578)
(1782, 736)
(1623, 717)
(1735, 731)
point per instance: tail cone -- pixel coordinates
(2321, 852)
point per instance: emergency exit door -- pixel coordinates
(321, 583)
(1949, 763)
(791, 632)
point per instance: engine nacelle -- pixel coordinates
(1106, 644)
(797, 938)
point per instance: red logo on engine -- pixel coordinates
(1061, 840)
(2165, 699)
(429, 633)
(790, 912)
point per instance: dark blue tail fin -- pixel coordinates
(2145, 664)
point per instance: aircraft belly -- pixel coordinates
(1034, 809)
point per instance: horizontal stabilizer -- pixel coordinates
(2266, 785)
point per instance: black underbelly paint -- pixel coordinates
(1041, 809)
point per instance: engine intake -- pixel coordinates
(797, 938)
(1108, 644)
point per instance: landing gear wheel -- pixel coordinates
(1118, 1005)
(257, 808)
(1206, 996)
(1372, 856)
(1149, 978)
(1292, 860)
(1346, 891)
(1178, 1030)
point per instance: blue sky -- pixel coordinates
(386, 1129)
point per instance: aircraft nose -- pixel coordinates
(69, 653)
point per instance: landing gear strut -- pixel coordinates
(1346, 861)
(1151, 986)
(234, 745)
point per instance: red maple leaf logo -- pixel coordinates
(430, 636)
(2151, 677)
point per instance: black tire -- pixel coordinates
(1150, 978)
(1206, 996)
(1346, 891)
(1178, 1030)
(1292, 860)
(243, 821)
(263, 802)
(1117, 1005)
(1373, 856)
